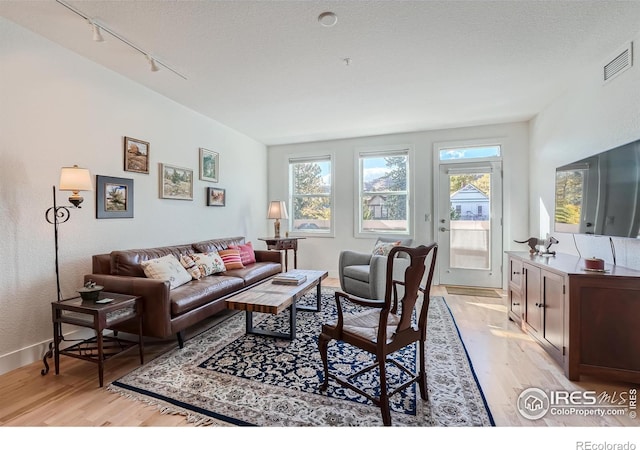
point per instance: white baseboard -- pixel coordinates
(36, 352)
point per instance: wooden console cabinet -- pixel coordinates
(589, 322)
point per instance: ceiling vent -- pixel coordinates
(619, 64)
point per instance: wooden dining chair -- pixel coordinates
(386, 326)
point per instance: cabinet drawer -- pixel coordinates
(515, 273)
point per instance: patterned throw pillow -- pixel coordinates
(166, 268)
(383, 248)
(191, 266)
(231, 258)
(247, 255)
(208, 263)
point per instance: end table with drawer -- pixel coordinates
(286, 244)
(99, 317)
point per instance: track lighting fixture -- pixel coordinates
(97, 36)
(152, 63)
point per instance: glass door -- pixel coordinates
(469, 224)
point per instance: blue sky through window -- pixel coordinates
(470, 152)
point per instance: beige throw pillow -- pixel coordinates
(166, 268)
(208, 263)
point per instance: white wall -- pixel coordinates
(589, 118)
(323, 252)
(59, 109)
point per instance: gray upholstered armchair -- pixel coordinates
(364, 274)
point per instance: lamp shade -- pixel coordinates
(75, 179)
(277, 210)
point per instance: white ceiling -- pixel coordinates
(269, 70)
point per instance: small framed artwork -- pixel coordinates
(136, 155)
(209, 165)
(216, 197)
(114, 197)
(176, 182)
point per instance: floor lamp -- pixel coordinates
(74, 179)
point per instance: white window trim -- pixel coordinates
(372, 151)
(302, 157)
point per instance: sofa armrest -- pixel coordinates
(268, 256)
(155, 295)
(378, 274)
(351, 258)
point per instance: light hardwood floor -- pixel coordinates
(506, 361)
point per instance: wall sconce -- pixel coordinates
(74, 179)
(277, 210)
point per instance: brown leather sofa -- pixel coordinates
(167, 311)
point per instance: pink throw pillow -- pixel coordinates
(247, 255)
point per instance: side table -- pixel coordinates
(286, 243)
(99, 317)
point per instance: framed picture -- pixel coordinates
(176, 182)
(216, 197)
(114, 197)
(209, 165)
(136, 155)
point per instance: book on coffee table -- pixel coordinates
(292, 278)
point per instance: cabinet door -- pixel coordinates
(533, 298)
(553, 294)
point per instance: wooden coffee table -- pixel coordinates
(273, 298)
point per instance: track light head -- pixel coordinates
(97, 36)
(152, 63)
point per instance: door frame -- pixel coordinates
(467, 143)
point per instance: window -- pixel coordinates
(384, 192)
(487, 151)
(310, 189)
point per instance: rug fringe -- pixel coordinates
(166, 408)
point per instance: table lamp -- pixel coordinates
(277, 210)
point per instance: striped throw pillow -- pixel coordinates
(231, 259)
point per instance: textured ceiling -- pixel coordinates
(269, 70)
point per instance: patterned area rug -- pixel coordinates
(224, 376)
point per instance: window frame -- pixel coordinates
(310, 158)
(377, 152)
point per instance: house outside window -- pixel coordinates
(311, 195)
(383, 187)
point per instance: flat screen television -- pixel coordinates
(600, 195)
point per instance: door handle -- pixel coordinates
(444, 229)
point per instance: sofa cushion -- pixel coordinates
(166, 268)
(255, 272)
(247, 255)
(214, 245)
(357, 272)
(208, 263)
(231, 258)
(127, 262)
(200, 292)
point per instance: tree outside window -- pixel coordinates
(311, 191)
(384, 194)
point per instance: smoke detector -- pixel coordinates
(327, 19)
